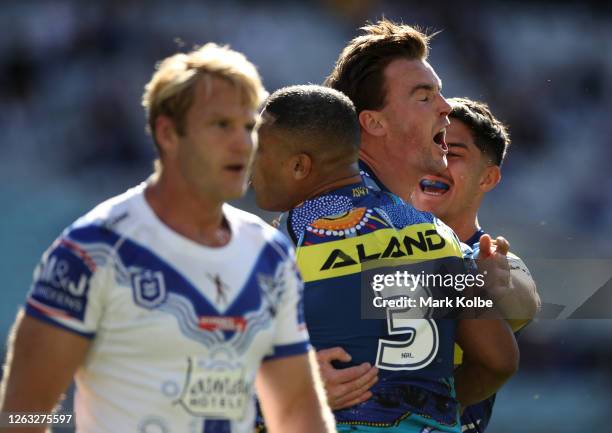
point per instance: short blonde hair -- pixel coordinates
(171, 89)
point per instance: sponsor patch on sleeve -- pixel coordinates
(61, 282)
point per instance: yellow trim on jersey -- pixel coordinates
(458, 358)
(425, 241)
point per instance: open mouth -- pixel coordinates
(440, 140)
(433, 187)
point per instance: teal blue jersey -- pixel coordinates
(335, 234)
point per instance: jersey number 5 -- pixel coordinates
(413, 353)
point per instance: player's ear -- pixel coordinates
(372, 122)
(301, 166)
(165, 134)
(490, 178)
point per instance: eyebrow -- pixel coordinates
(426, 86)
(461, 145)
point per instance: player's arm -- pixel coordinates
(288, 381)
(490, 358)
(291, 394)
(345, 387)
(52, 336)
(41, 362)
(490, 352)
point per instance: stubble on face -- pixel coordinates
(415, 113)
(216, 150)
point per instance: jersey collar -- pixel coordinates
(370, 179)
(475, 238)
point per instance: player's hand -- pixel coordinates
(493, 263)
(489, 247)
(348, 386)
(514, 293)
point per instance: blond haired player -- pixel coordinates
(164, 302)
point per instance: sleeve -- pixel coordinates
(67, 288)
(291, 336)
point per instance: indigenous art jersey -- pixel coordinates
(335, 234)
(178, 329)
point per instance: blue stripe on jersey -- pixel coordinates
(34, 312)
(133, 254)
(217, 426)
(178, 296)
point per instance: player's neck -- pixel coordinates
(401, 186)
(186, 212)
(464, 225)
(349, 177)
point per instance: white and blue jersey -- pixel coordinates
(178, 329)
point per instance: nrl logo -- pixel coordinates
(149, 288)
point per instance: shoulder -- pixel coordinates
(85, 246)
(442, 227)
(251, 227)
(107, 221)
(299, 218)
(404, 214)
